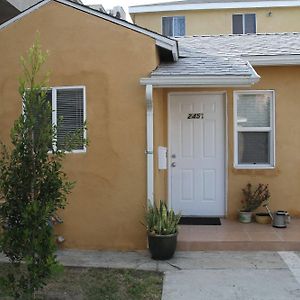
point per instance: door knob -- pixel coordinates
(173, 164)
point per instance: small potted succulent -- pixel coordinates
(252, 200)
(162, 229)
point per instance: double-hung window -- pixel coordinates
(69, 115)
(173, 26)
(243, 23)
(254, 136)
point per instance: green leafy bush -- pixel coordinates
(33, 186)
(161, 220)
(255, 198)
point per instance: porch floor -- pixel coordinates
(232, 235)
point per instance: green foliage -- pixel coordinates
(161, 220)
(32, 185)
(254, 199)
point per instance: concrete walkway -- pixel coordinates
(207, 275)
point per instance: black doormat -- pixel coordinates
(199, 221)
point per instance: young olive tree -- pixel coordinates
(32, 185)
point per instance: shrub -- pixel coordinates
(254, 199)
(161, 220)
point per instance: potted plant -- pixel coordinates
(252, 200)
(162, 229)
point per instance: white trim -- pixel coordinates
(270, 129)
(161, 41)
(226, 189)
(54, 110)
(150, 144)
(226, 155)
(273, 60)
(206, 6)
(200, 81)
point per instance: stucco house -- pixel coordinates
(188, 120)
(190, 17)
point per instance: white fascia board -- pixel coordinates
(161, 41)
(206, 6)
(273, 60)
(199, 81)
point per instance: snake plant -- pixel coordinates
(160, 220)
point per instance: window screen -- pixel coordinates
(173, 26)
(253, 148)
(179, 26)
(250, 23)
(167, 24)
(70, 116)
(237, 24)
(254, 125)
(253, 110)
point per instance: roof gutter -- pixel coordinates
(200, 81)
(273, 60)
(204, 6)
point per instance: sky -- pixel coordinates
(124, 3)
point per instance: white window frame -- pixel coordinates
(54, 109)
(244, 26)
(173, 24)
(270, 129)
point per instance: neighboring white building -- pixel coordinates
(117, 11)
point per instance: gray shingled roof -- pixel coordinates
(205, 65)
(226, 55)
(241, 45)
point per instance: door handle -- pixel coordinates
(173, 164)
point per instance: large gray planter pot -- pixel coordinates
(162, 247)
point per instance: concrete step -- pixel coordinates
(238, 246)
(232, 235)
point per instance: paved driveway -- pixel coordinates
(211, 275)
(233, 275)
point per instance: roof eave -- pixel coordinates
(160, 40)
(205, 6)
(200, 81)
(273, 60)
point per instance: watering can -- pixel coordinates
(280, 218)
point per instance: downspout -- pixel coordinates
(149, 151)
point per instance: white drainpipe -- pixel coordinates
(149, 151)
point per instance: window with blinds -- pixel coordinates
(254, 129)
(173, 26)
(68, 114)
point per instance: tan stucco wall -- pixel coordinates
(108, 202)
(285, 178)
(220, 21)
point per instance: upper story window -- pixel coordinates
(243, 23)
(173, 26)
(254, 137)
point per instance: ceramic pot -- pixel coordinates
(162, 247)
(262, 218)
(245, 217)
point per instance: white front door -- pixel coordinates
(197, 154)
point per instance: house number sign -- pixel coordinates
(196, 116)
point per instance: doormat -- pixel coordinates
(199, 221)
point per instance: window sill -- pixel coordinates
(254, 167)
